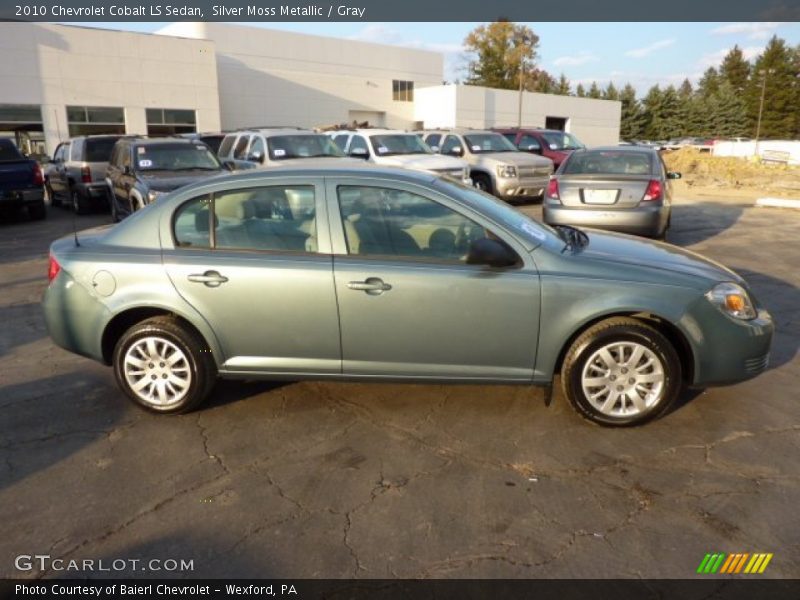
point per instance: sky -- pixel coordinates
(643, 54)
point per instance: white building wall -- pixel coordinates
(57, 66)
(269, 77)
(594, 122)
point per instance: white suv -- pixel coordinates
(276, 146)
(398, 149)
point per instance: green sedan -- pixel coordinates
(378, 274)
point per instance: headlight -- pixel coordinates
(732, 299)
(506, 171)
(153, 196)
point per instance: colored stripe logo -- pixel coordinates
(741, 562)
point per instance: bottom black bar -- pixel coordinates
(439, 589)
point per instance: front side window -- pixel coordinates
(225, 147)
(241, 147)
(176, 157)
(528, 142)
(480, 143)
(283, 147)
(277, 218)
(341, 141)
(359, 144)
(561, 141)
(450, 143)
(392, 145)
(433, 139)
(390, 222)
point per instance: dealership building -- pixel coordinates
(58, 81)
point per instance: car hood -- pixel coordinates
(167, 181)
(519, 159)
(629, 250)
(427, 162)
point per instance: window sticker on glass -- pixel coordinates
(141, 150)
(553, 146)
(279, 152)
(530, 229)
(382, 149)
(145, 163)
(476, 148)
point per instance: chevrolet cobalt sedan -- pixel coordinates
(383, 274)
(620, 188)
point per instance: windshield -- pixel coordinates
(388, 145)
(531, 230)
(176, 157)
(609, 162)
(99, 150)
(561, 141)
(480, 143)
(284, 147)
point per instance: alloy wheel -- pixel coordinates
(157, 371)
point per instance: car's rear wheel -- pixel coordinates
(621, 372)
(163, 366)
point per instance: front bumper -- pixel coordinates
(726, 350)
(647, 221)
(525, 187)
(14, 199)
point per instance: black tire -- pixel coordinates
(612, 331)
(482, 182)
(37, 212)
(55, 202)
(199, 363)
(113, 202)
(79, 204)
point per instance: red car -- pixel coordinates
(550, 143)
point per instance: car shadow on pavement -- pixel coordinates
(693, 223)
(48, 420)
(229, 391)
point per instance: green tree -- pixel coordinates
(686, 91)
(662, 113)
(562, 86)
(580, 92)
(496, 52)
(611, 93)
(727, 112)
(632, 116)
(774, 73)
(708, 82)
(540, 81)
(735, 69)
(594, 91)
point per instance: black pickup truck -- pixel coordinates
(21, 182)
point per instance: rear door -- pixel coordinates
(58, 175)
(262, 276)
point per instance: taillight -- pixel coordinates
(552, 190)
(38, 176)
(653, 191)
(52, 269)
(86, 175)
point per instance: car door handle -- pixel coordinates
(209, 278)
(373, 286)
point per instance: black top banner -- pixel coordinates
(406, 11)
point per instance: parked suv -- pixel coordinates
(21, 182)
(142, 169)
(550, 143)
(77, 173)
(276, 146)
(496, 166)
(398, 149)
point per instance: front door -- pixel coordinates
(410, 306)
(262, 276)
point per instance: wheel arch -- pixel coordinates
(669, 330)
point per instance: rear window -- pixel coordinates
(609, 163)
(8, 151)
(99, 150)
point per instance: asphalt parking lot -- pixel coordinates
(356, 480)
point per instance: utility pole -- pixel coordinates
(522, 42)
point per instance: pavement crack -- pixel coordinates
(204, 438)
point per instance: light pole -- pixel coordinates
(522, 41)
(763, 74)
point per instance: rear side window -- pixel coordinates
(225, 146)
(8, 151)
(241, 147)
(98, 150)
(77, 149)
(192, 223)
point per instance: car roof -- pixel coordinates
(277, 130)
(632, 149)
(162, 141)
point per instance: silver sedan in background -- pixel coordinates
(621, 188)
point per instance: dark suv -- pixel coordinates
(550, 143)
(141, 169)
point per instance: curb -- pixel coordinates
(778, 203)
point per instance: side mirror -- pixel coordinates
(435, 148)
(491, 253)
(533, 148)
(673, 175)
(456, 151)
(359, 153)
(256, 157)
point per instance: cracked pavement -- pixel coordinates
(373, 481)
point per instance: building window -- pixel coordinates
(403, 91)
(169, 121)
(93, 120)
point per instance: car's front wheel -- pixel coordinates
(621, 372)
(164, 366)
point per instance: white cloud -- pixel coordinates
(642, 52)
(573, 61)
(714, 59)
(381, 34)
(754, 31)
